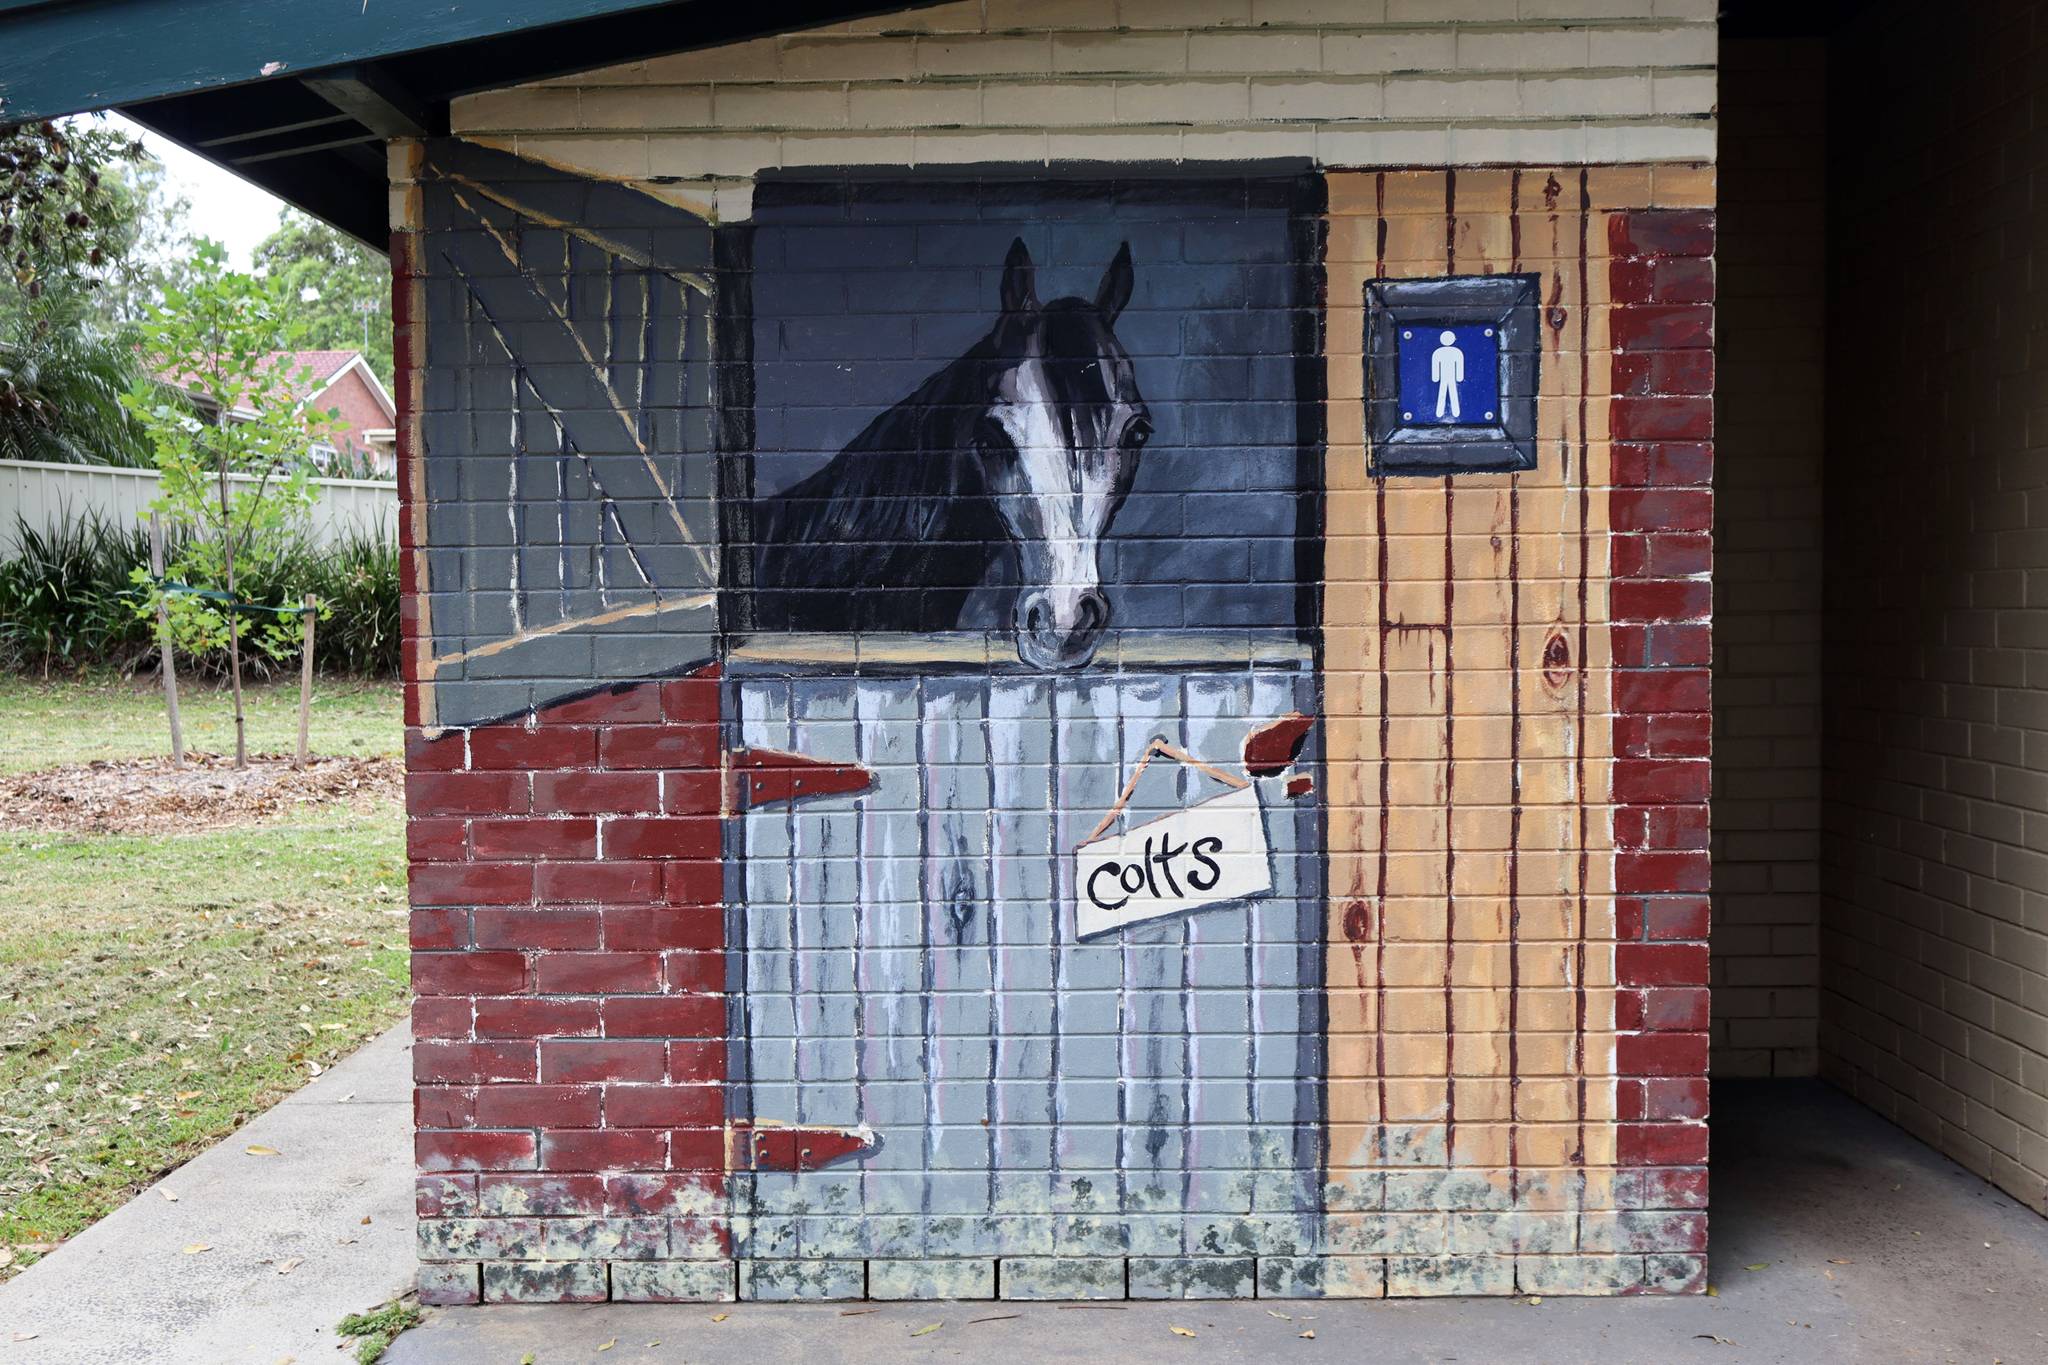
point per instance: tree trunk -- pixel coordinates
(234, 619)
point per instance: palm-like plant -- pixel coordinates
(61, 381)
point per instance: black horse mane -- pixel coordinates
(898, 516)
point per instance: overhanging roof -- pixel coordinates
(299, 95)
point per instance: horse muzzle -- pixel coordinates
(1060, 640)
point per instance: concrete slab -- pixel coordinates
(1873, 1249)
(1935, 1266)
(336, 1201)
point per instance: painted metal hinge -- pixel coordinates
(762, 777)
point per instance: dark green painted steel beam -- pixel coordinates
(62, 58)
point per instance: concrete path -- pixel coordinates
(297, 1241)
(1872, 1248)
(1936, 1267)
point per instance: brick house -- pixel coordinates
(366, 433)
(1065, 650)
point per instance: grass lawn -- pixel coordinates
(156, 991)
(43, 725)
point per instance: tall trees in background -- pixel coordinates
(80, 204)
(338, 289)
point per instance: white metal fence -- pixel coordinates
(48, 495)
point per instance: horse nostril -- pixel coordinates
(1032, 614)
(1091, 616)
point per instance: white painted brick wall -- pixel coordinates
(1340, 82)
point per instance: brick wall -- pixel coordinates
(1934, 945)
(1767, 569)
(1355, 83)
(681, 837)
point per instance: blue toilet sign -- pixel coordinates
(1449, 375)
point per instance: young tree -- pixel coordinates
(340, 290)
(219, 336)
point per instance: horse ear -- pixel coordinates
(1115, 290)
(1020, 290)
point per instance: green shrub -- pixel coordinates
(64, 596)
(67, 601)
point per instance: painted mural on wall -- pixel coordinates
(1143, 836)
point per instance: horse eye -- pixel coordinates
(1137, 434)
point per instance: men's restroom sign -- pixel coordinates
(1450, 375)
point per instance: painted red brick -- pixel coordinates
(470, 973)
(432, 839)
(625, 704)
(545, 1196)
(658, 746)
(527, 1017)
(530, 838)
(439, 927)
(550, 930)
(604, 1149)
(1666, 464)
(441, 754)
(568, 1061)
(537, 1106)
(440, 1016)
(466, 793)
(659, 926)
(461, 1063)
(695, 971)
(1660, 326)
(1661, 1054)
(697, 1149)
(1661, 232)
(1661, 600)
(474, 1151)
(597, 883)
(1661, 509)
(1676, 917)
(1677, 1097)
(665, 1016)
(1661, 964)
(1663, 690)
(1660, 872)
(694, 882)
(443, 1106)
(602, 973)
(1661, 1144)
(1661, 419)
(1638, 780)
(592, 793)
(517, 748)
(664, 1106)
(471, 883)
(668, 836)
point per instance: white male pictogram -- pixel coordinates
(1447, 369)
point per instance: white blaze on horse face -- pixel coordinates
(1057, 499)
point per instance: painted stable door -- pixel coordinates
(914, 969)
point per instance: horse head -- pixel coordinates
(1059, 446)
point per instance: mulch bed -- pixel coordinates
(149, 796)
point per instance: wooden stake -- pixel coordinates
(167, 669)
(309, 604)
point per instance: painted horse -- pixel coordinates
(1024, 448)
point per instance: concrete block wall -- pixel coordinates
(1934, 943)
(1767, 557)
(1359, 83)
(1460, 1047)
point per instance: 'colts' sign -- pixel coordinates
(1208, 854)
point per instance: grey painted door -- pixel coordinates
(908, 962)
